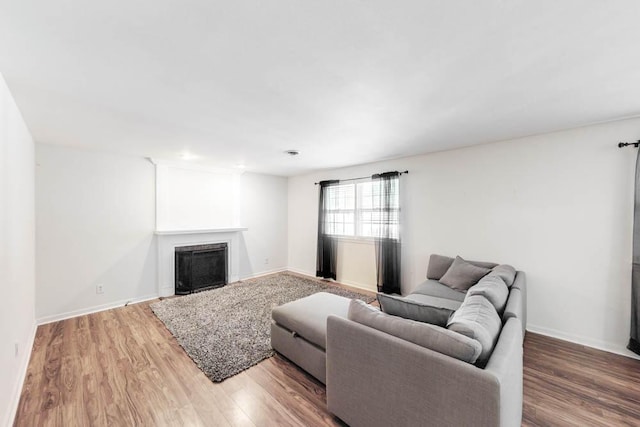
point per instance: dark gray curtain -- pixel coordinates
(634, 341)
(327, 244)
(388, 236)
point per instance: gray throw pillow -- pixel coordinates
(462, 275)
(483, 264)
(477, 319)
(431, 310)
(493, 289)
(505, 272)
(425, 335)
(439, 264)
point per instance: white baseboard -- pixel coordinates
(263, 273)
(302, 272)
(81, 312)
(582, 340)
(169, 291)
(108, 306)
(17, 389)
(356, 285)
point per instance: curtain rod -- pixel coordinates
(363, 177)
(626, 144)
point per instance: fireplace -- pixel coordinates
(200, 267)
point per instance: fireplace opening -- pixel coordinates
(200, 267)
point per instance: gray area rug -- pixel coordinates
(228, 330)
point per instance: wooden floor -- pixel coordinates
(567, 384)
(122, 367)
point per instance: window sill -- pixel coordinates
(357, 240)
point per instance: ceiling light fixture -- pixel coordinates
(188, 156)
(292, 152)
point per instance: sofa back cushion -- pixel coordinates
(439, 264)
(493, 289)
(505, 272)
(421, 308)
(477, 319)
(425, 335)
(462, 274)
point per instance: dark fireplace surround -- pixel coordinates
(200, 267)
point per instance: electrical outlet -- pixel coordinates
(99, 289)
(17, 349)
(266, 260)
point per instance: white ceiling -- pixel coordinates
(345, 82)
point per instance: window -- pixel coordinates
(353, 210)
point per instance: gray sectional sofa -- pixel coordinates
(463, 368)
(379, 374)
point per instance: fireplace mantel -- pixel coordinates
(204, 231)
(168, 240)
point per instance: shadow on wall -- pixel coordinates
(246, 268)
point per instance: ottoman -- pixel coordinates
(299, 330)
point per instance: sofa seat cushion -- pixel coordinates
(422, 308)
(462, 275)
(423, 334)
(493, 289)
(307, 317)
(436, 289)
(477, 319)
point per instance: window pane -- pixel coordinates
(373, 223)
(369, 195)
(354, 210)
(349, 229)
(365, 195)
(341, 197)
(340, 210)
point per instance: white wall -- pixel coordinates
(95, 223)
(17, 252)
(558, 206)
(357, 266)
(259, 248)
(227, 199)
(263, 210)
(189, 198)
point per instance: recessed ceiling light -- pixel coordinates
(188, 156)
(240, 166)
(292, 152)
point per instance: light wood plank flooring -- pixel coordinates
(122, 367)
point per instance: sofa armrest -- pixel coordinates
(515, 308)
(520, 283)
(376, 379)
(506, 365)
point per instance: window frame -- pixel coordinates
(357, 237)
